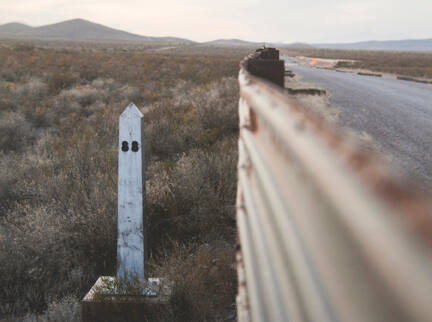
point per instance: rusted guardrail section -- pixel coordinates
(324, 234)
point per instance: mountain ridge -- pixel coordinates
(14, 27)
(79, 30)
(393, 45)
(83, 30)
(231, 42)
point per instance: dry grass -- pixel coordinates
(58, 132)
(200, 271)
(402, 63)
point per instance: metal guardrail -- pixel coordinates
(324, 234)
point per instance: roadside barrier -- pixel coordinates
(324, 233)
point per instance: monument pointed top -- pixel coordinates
(132, 110)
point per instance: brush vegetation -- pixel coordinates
(59, 109)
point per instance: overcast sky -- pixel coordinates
(256, 20)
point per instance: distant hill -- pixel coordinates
(296, 45)
(14, 28)
(395, 45)
(83, 30)
(243, 43)
(233, 42)
(80, 30)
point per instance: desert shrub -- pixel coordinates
(197, 271)
(130, 94)
(194, 199)
(16, 133)
(55, 248)
(7, 105)
(39, 117)
(196, 117)
(88, 72)
(8, 179)
(7, 101)
(8, 194)
(67, 309)
(27, 97)
(167, 143)
(9, 76)
(63, 105)
(30, 274)
(61, 80)
(81, 101)
(24, 47)
(110, 84)
(218, 110)
(32, 91)
(85, 95)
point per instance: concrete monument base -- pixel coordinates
(108, 300)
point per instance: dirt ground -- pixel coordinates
(335, 64)
(321, 62)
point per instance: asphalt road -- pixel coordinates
(397, 114)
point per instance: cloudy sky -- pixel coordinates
(255, 20)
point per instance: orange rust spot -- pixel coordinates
(358, 159)
(253, 121)
(335, 140)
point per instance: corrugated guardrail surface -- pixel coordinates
(324, 234)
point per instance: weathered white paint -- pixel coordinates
(131, 196)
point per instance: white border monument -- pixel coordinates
(131, 195)
(130, 296)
